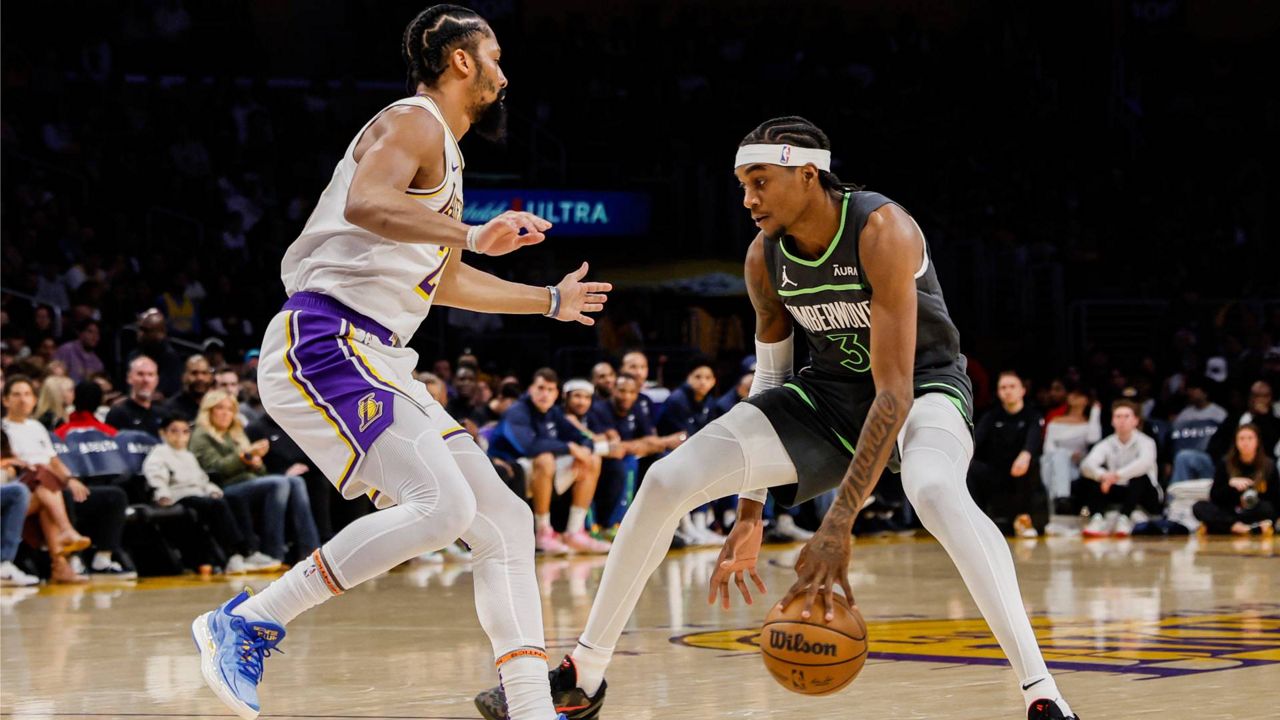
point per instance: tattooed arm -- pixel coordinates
(891, 249)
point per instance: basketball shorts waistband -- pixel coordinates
(319, 302)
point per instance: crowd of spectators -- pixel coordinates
(1199, 457)
(143, 225)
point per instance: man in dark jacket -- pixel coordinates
(1003, 475)
(555, 455)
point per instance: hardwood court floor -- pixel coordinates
(1134, 629)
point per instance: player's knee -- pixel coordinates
(504, 525)
(444, 513)
(661, 483)
(931, 487)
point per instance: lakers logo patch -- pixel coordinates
(369, 409)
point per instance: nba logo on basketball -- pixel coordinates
(786, 154)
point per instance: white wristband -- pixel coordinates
(472, 233)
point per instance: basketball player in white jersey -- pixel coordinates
(384, 242)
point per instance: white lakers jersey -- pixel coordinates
(390, 282)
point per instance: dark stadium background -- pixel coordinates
(1097, 180)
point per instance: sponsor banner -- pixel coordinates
(575, 213)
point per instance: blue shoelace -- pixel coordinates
(253, 651)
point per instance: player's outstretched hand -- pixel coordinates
(739, 554)
(823, 563)
(578, 298)
(511, 231)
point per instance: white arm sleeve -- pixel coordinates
(773, 367)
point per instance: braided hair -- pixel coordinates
(433, 35)
(795, 130)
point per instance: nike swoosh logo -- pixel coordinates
(1028, 686)
(455, 168)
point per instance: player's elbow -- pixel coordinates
(899, 397)
(359, 210)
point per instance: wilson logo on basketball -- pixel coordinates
(795, 642)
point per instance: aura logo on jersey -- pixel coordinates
(1176, 645)
(795, 642)
(572, 212)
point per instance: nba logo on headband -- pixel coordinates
(786, 154)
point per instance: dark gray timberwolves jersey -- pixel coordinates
(830, 299)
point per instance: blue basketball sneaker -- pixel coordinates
(232, 650)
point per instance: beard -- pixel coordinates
(490, 121)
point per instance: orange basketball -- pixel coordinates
(813, 657)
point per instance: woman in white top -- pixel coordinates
(1066, 441)
(34, 462)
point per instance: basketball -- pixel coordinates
(812, 657)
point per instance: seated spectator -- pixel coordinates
(1246, 490)
(1119, 485)
(137, 411)
(467, 405)
(1006, 457)
(688, 409)
(735, 394)
(307, 483)
(1056, 401)
(226, 379)
(1259, 413)
(45, 475)
(109, 394)
(555, 456)
(1192, 430)
(80, 355)
(153, 342)
(603, 377)
(224, 451)
(631, 436)
(88, 396)
(435, 387)
(57, 395)
(636, 363)
(508, 395)
(1067, 439)
(196, 381)
(175, 477)
(578, 396)
(15, 498)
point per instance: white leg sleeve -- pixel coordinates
(506, 587)
(737, 452)
(410, 464)
(936, 448)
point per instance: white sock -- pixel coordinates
(524, 682)
(591, 664)
(306, 585)
(1043, 686)
(541, 521)
(101, 559)
(577, 520)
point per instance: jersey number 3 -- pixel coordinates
(859, 359)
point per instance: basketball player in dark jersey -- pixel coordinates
(835, 261)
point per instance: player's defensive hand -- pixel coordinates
(578, 298)
(739, 554)
(511, 231)
(822, 564)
